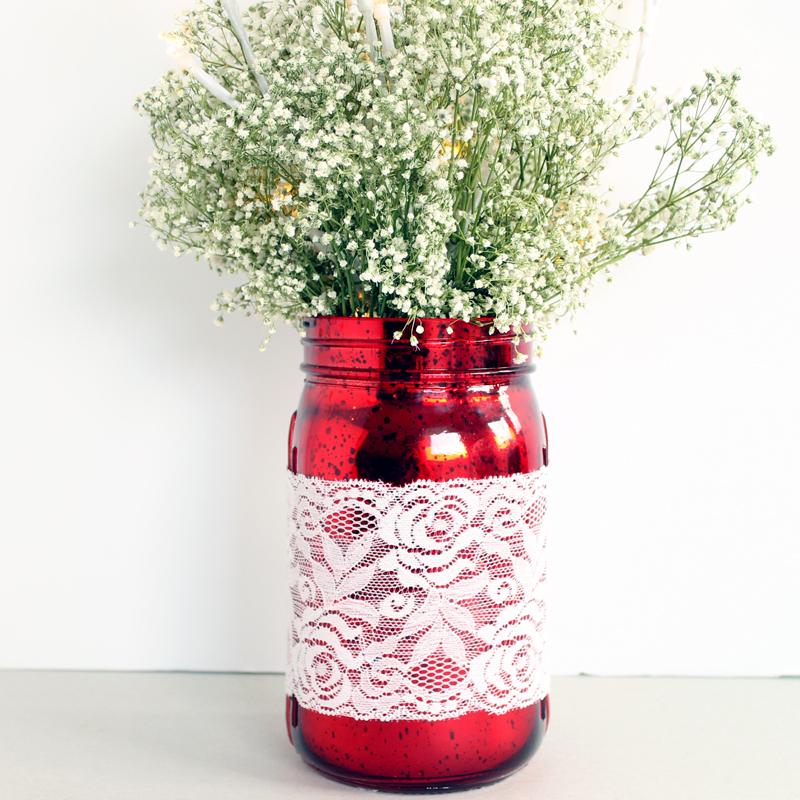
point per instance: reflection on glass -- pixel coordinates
(503, 435)
(446, 445)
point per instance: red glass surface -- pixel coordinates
(371, 408)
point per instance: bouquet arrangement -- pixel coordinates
(435, 159)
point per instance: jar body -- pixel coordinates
(457, 407)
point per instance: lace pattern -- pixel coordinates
(423, 601)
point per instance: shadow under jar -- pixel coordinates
(451, 416)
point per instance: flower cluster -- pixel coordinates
(446, 163)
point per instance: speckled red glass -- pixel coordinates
(369, 408)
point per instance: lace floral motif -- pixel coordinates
(423, 601)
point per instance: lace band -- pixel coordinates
(423, 601)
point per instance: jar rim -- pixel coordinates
(437, 331)
(436, 349)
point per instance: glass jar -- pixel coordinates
(455, 407)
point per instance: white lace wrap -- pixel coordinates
(423, 601)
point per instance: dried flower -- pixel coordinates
(447, 166)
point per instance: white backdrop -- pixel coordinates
(142, 470)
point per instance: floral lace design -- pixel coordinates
(423, 601)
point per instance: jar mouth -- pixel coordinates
(441, 349)
(399, 330)
(403, 319)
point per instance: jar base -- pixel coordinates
(441, 786)
(329, 745)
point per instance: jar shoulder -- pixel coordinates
(399, 433)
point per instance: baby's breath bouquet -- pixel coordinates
(439, 158)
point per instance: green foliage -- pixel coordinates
(458, 176)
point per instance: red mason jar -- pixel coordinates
(374, 699)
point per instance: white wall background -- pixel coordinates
(142, 448)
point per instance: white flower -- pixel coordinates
(490, 84)
(352, 181)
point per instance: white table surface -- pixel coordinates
(184, 736)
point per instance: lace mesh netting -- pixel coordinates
(423, 601)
